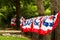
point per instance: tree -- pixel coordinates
(16, 3)
(18, 12)
(54, 10)
(57, 32)
(40, 12)
(40, 7)
(54, 6)
(58, 5)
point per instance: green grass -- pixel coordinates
(12, 38)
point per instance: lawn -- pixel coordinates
(12, 38)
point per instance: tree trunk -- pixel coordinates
(57, 30)
(54, 9)
(54, 6)
(58, 5)
(40, 7)
(17, 5)
(41, 12)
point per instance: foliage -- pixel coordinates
(48, 11)
(46, 3)
(28, 9)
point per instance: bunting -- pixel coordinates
(40, 25)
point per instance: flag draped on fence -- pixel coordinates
(40, 25)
